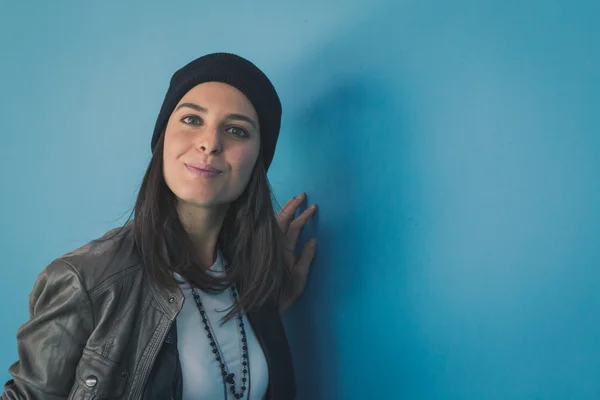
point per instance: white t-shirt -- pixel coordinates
(202, 377)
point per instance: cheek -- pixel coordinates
(243, 159)
(172, 148)
(173, 140)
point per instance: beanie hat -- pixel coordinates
(234, 71)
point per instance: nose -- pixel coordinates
(209, 141)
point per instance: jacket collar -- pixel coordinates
(170, 300)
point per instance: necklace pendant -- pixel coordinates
(229, 378)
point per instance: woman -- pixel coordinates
(184, 301)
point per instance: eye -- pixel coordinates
(239, 132)
(191, 120)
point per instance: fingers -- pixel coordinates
(287, 204)
(299, 274)
(288, 210)
(289, 255)
(302, 267)
(306, 256)
(296, 226)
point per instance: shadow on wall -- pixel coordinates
(349, 137)
(369, 127)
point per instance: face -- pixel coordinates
(211, 145)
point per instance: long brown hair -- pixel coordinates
(250, 240)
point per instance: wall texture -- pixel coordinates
(453, 148)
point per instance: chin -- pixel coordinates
(204, 200)
(206, 196)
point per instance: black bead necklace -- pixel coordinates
(228, 378)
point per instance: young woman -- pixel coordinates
(183, 301)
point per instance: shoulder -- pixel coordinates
(111, 257)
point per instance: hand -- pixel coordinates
(298, 266)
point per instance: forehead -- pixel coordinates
(219, 95)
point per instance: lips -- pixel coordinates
(203, 170)
(204, 167)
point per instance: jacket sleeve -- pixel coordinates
(51, 343)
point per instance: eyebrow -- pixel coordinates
(192, 106)
(240, 117)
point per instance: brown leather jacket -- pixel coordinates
(100, 329)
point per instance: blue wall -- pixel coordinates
(453, 150)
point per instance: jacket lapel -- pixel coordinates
(270, 333)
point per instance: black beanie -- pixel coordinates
(242, 75)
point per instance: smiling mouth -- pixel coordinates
(204, 171)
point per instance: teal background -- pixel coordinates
(452, 147)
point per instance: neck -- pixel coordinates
(203, 226)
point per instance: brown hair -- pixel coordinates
(250, 240)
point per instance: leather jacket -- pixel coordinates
(99, 328)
